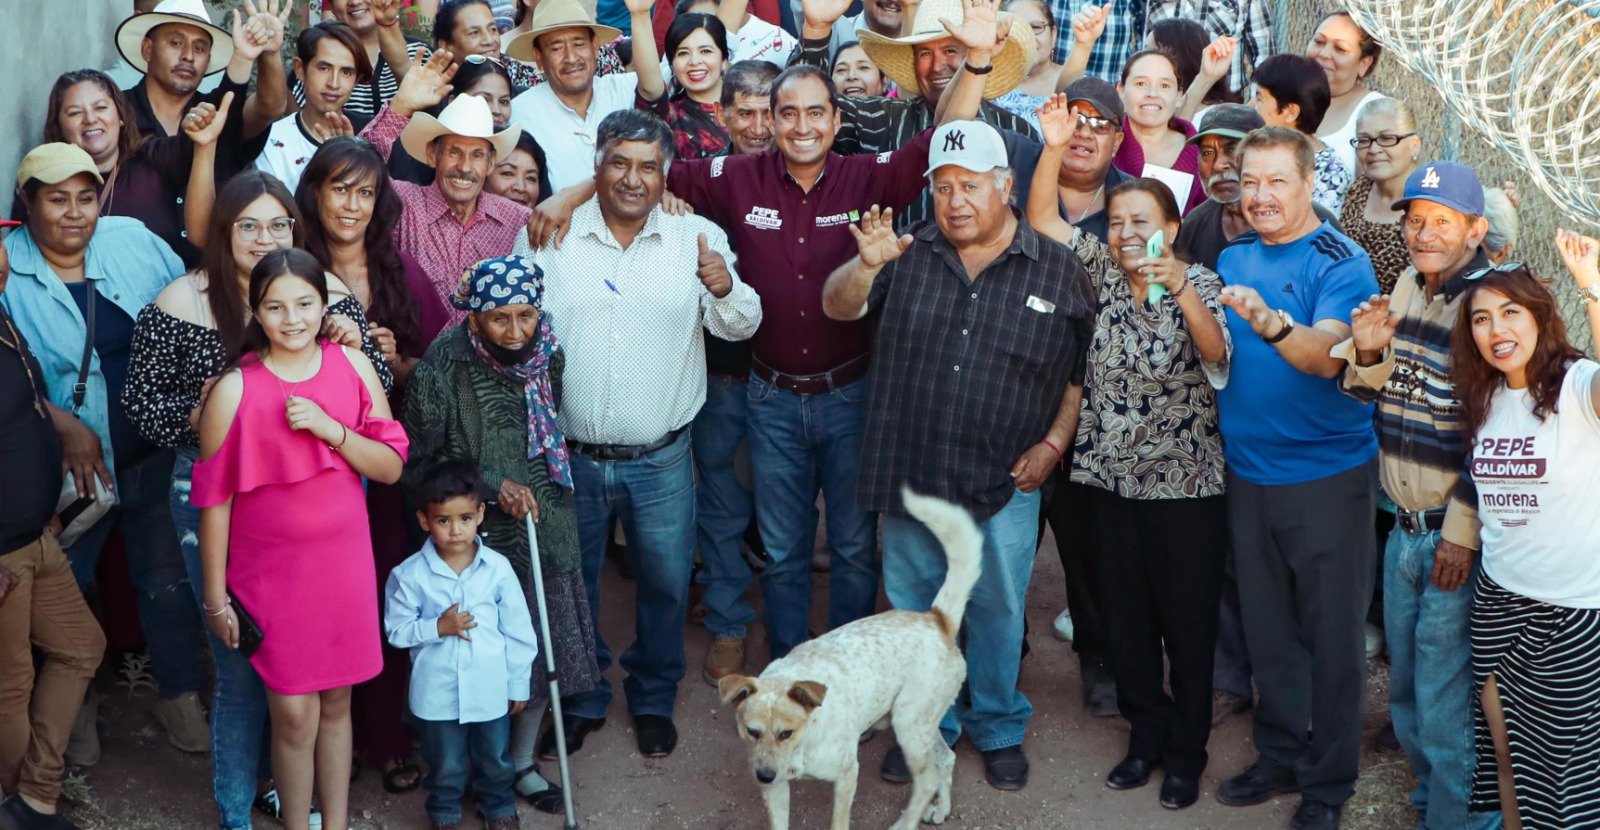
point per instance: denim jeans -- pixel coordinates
(991, 707)
(798, 445)
(653, 496)
(171, 623)
(1430, 681)
(459, 753)
(240, 751)
(723, 506)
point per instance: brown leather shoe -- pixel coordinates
(725, 657)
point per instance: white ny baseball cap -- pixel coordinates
(972, 145)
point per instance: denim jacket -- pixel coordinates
(127, 264)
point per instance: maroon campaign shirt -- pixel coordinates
(789, 241)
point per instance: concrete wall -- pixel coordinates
(38, 42)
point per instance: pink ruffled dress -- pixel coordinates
(299, 549)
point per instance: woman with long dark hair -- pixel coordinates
(287, 437)
(181, 343)
(697, 51)
(1530, 403)
(351, 210)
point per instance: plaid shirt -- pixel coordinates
(1248, 20)
(967, 374)
(1122, 37)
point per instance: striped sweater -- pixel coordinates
(1421, 449)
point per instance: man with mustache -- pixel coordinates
(564, 113)
(927, 59)
(1398, 355)
(632, 295)
(1216, 222)
(175, 45)
(451, 224)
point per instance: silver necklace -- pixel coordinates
(1086, 211)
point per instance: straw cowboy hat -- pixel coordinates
(551, 15)
(467, 115)
(896, 56)
(133, 31)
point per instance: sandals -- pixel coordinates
(402, 768)
(548, 800)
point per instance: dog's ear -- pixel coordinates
(735, 688)
(808, 693)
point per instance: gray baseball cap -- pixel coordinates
(1228, 120)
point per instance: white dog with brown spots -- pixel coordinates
(804, 716)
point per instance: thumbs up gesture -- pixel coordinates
(714, 271)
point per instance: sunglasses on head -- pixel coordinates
(1502, 267)
(478, 60)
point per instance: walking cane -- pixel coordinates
(550, 670)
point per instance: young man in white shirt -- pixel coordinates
(331, 63)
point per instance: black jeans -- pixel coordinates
(1162, 560)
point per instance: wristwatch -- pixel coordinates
(1288, 326)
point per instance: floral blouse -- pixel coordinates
(171, 360)
(1148, 427)
(1381, 240)
(1331, 180)
(698, 131)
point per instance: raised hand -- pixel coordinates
(1581, 255)
(427, 82)
(1058, 120)
(273, 15)
(1089, 24)
(333, 124)
(1164, 270)
(822, 13)
(1510, 188)
(204, 123)
(385, 12)
(250, 35)
(453, 623)
(1372, 325)
(639, 6)
(713, 271)
(980, 29)
(1217, 59)
(875, 239)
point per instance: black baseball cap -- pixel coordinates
(1103, 95)
(1228, 120)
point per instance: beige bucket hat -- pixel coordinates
(896, 57)
(551, 15)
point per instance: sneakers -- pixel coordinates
(1063, 625)
(269, 803)
(16, 814)
(1374, 640)
(725, 657)
(185, 721)
(83, 744)
(1227, 704)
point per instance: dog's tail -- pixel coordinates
(963, 550)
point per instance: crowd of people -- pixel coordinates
(355, 348)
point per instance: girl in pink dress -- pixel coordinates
(285, 440)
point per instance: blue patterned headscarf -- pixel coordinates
(513, 280)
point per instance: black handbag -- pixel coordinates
(249, 632)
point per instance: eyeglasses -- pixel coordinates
(280, 228)
(1502, 267)
(1097, 125)
(1385, 140)
(1039, 28)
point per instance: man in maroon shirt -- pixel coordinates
(788, 214)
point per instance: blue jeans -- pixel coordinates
(798, 445)
(653, 496)
(1430, 681)
(171, 623)
(723, 506)
(459, 752)
(240, 751)
(991, 707)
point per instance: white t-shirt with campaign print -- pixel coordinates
(1538, 483)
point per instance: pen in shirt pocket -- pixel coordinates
(611, 285)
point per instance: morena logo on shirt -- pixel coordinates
(767, 218)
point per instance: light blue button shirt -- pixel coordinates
(453, 679)
(127, 264)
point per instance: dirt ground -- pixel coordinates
(142, 783)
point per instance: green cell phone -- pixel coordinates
(1153, 249)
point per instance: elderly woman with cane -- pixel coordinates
(487, 391)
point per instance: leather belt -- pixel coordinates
(842, 375)
(623, 452)
(1419, 521)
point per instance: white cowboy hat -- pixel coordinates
(467, 115)
(896, 56)
(133, 31)
(551, 15)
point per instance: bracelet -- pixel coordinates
(1590, 293)
(1179, 293)
(973, 70)
(344, 435)
(217, 613)
(1061, 457)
